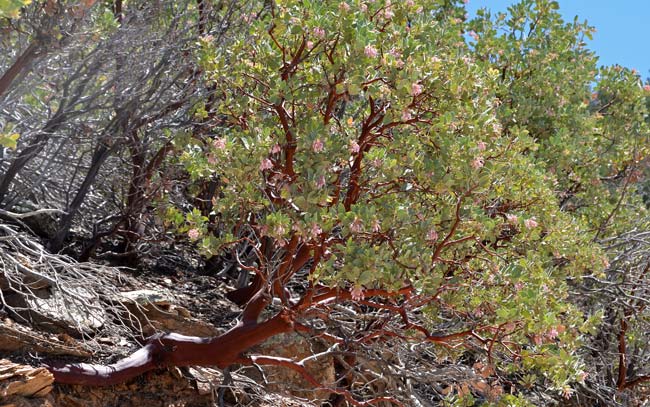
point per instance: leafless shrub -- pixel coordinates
(61, 295)
(618, 354)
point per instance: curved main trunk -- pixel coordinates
(166, 350)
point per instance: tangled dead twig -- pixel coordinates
(58, 294)
(618, 352)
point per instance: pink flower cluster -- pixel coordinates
(370, 51)
(357, 293)
(315, 230)
(513, 219)
(416, 89)
(319, 33)
(317, 145)
(477, 163)
(266, 164)
(193, 234)
(530, 223)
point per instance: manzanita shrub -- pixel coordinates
(452, 174)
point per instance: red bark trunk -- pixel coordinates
(22, 63)
(167, 350)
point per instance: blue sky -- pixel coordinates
(622, 35)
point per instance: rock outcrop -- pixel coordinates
(22, 385)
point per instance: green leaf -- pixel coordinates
(9, 141)
(11, 8)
